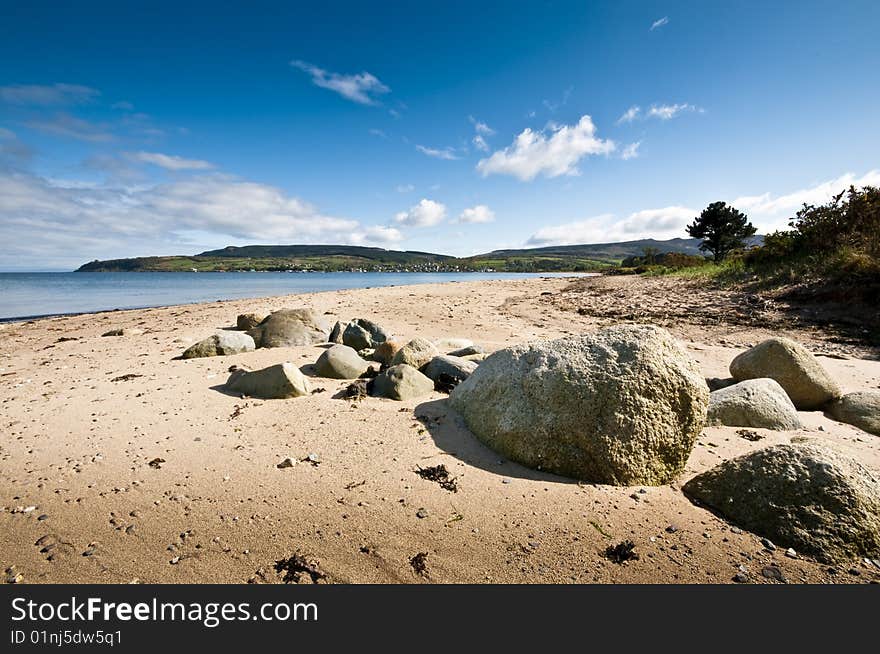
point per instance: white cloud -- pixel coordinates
(665, 223)
(405, 188)
(6, 133)
(169, 162)
(378, 132)
(481, 127)
(63, 224)
(660, 111)
(122, 105)
(424, 214)
(766, 211)
(46, 95)
(669, 111)
(64, 124)
(771, 212)
(381, 235)
(629, 115)
(446, 153)
(660, 22)
(480, 143)
(360, 88)
(537, 153)
(477, 214)
(631, 151)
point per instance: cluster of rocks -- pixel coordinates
(771, 381)
(804, 495)
(624, 406)
(359, 348)
(405, 371)
(621, 406)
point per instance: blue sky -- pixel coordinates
(455, 127)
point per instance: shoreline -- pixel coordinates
(65, 314)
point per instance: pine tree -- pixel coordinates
(722, 229)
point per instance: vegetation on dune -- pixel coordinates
(835, 243)
(831, 250)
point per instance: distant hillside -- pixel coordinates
(308, 251)
(279, 258)
(602, 251)
(352, 257)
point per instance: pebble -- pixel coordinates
(422, 513)
(772, 572)
(790, 553)
(287, 462)
(741, 578)
(736, 530)
(768, 544)
(671, 529)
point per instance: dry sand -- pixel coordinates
(76, 446)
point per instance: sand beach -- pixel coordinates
(120, 463)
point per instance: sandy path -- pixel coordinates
(76, 445)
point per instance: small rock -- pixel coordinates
(768, 544)
(422, 513)
(287, 462)
(772, 572)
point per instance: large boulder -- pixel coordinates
(861, 409)
(448, 370)
(757, 403)
(246, 321)
(621, 406)
(220, 344)
(275, 382)
(416, 353)
(362, 334)
(803, 495)
(798, 372)
(340, 362)
(401, 382)
(289, 328)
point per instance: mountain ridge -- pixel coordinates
(356, 257)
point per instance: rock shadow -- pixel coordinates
(451, 435)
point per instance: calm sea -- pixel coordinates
(29, 295)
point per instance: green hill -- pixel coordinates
(353, 257)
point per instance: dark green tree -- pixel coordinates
(722, 229)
